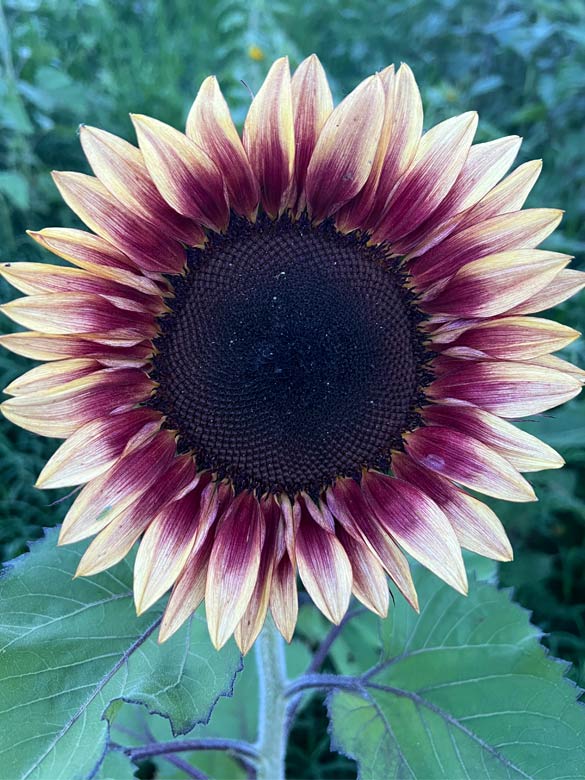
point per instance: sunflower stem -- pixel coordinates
(272, 682)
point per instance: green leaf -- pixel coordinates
(463, 690)
(234, 717)
(71, 651)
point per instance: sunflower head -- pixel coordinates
(293, 351)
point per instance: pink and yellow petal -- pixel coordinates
(354, 214)
(507, 389)
(148, 247)
(233, 567)
(165, 548)
(511, 338)
(484, 167)
(346, 500)
(324, 569)
(211, 127)
(94, 448)
(564, 285)
(344, 154)
(252, 621)
(468, 461)
(496, 283)
(125, 526)
(185, 176)
(415, 521)
(558, 364)
(284, 602)
(504, 233)
(64, 314)
(109, 352)
(94, 254)
(440, 157)
(51, 375)
(524, 451)
(312, 104)
(188, 591)
(40, 278)
(369, 582)
(476, 526)
(121, 169)
(269, 138)
(60, 411)
(109, 495)
(508, 196)
(405, 112)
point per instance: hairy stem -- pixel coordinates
(272, 708)
(324, 682)
(241, 750)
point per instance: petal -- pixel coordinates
(507, 389)
(77, 313)
(524, 451)
(564, 285)
(185, 176)
(43, 346)
(95, 255)
(312, 104)
(347, 502)
(215, 500)
(94, 448)
(404, 108)
(496, 283)
(291, 514)
(512, 338)
(345, 150)
(251, 623)
(418, 525)
(519, 230)
(109, 495)
(324, 569)
(60, 411)
(269, 138)
(125, 527)
(188, 591)
(233, 567)
(166, 546)
(439, 158)
(51, 375)
(211, 127)
(284, 601)
(476, 526)
(354, 214)
(35, 278)
(319, 514)
(121, 169)
(484, 167)
(144, 244)
(466, 460)
(552, 361)
(509, 195)
(369, 581)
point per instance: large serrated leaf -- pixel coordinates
(463, 690)
(72, 650)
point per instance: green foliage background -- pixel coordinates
(520, 64)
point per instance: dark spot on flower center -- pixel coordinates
(291, 356)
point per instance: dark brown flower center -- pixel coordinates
(291, 356)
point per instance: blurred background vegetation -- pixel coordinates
(521, 64)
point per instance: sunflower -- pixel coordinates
(294, 351)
